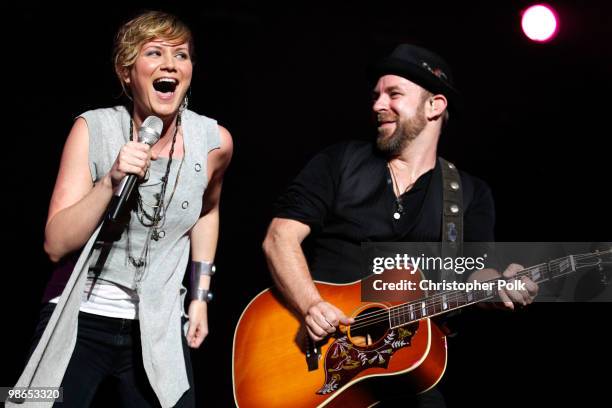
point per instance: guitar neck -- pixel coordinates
(446, 301)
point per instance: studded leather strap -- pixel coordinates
(452, 216)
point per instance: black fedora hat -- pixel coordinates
(424, 68)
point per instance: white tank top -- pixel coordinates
(108, 299)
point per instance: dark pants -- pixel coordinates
(109, 347)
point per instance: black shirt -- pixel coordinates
(345, 194)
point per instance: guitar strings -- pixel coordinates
(458, 297)
(519, 274)
(580, 256)
(384, 315)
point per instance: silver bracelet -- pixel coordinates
(203, 268)
(197, 270)
(204, 295)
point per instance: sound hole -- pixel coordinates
(370, 326)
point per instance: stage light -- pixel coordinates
(540, 23)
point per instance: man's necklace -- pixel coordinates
(399, 207)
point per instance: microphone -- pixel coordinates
(149, 133)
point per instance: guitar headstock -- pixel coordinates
(600, 259)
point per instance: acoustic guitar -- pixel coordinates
(389, 347)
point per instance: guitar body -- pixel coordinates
(357, 368)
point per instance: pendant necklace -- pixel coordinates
(399, 207)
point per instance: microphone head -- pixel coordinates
(150, 130)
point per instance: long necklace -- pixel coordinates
(154, 221)
(399, 207)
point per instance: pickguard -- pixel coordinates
(345, 360)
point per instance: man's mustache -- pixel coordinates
(381, 118)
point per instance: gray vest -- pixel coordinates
(159, 288)
(109, 129)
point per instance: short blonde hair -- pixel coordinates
(142, 29)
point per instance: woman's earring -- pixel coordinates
(185, 103)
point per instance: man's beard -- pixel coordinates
(405, 132)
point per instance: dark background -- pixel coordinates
(288, 79)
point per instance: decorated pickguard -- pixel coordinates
(344, 360)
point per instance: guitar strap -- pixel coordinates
(452, 233)
(452, 216)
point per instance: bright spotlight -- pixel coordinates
(539, 23)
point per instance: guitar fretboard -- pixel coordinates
(446, 301)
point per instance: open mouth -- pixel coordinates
(165, 85)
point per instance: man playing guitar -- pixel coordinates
(387, 191)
